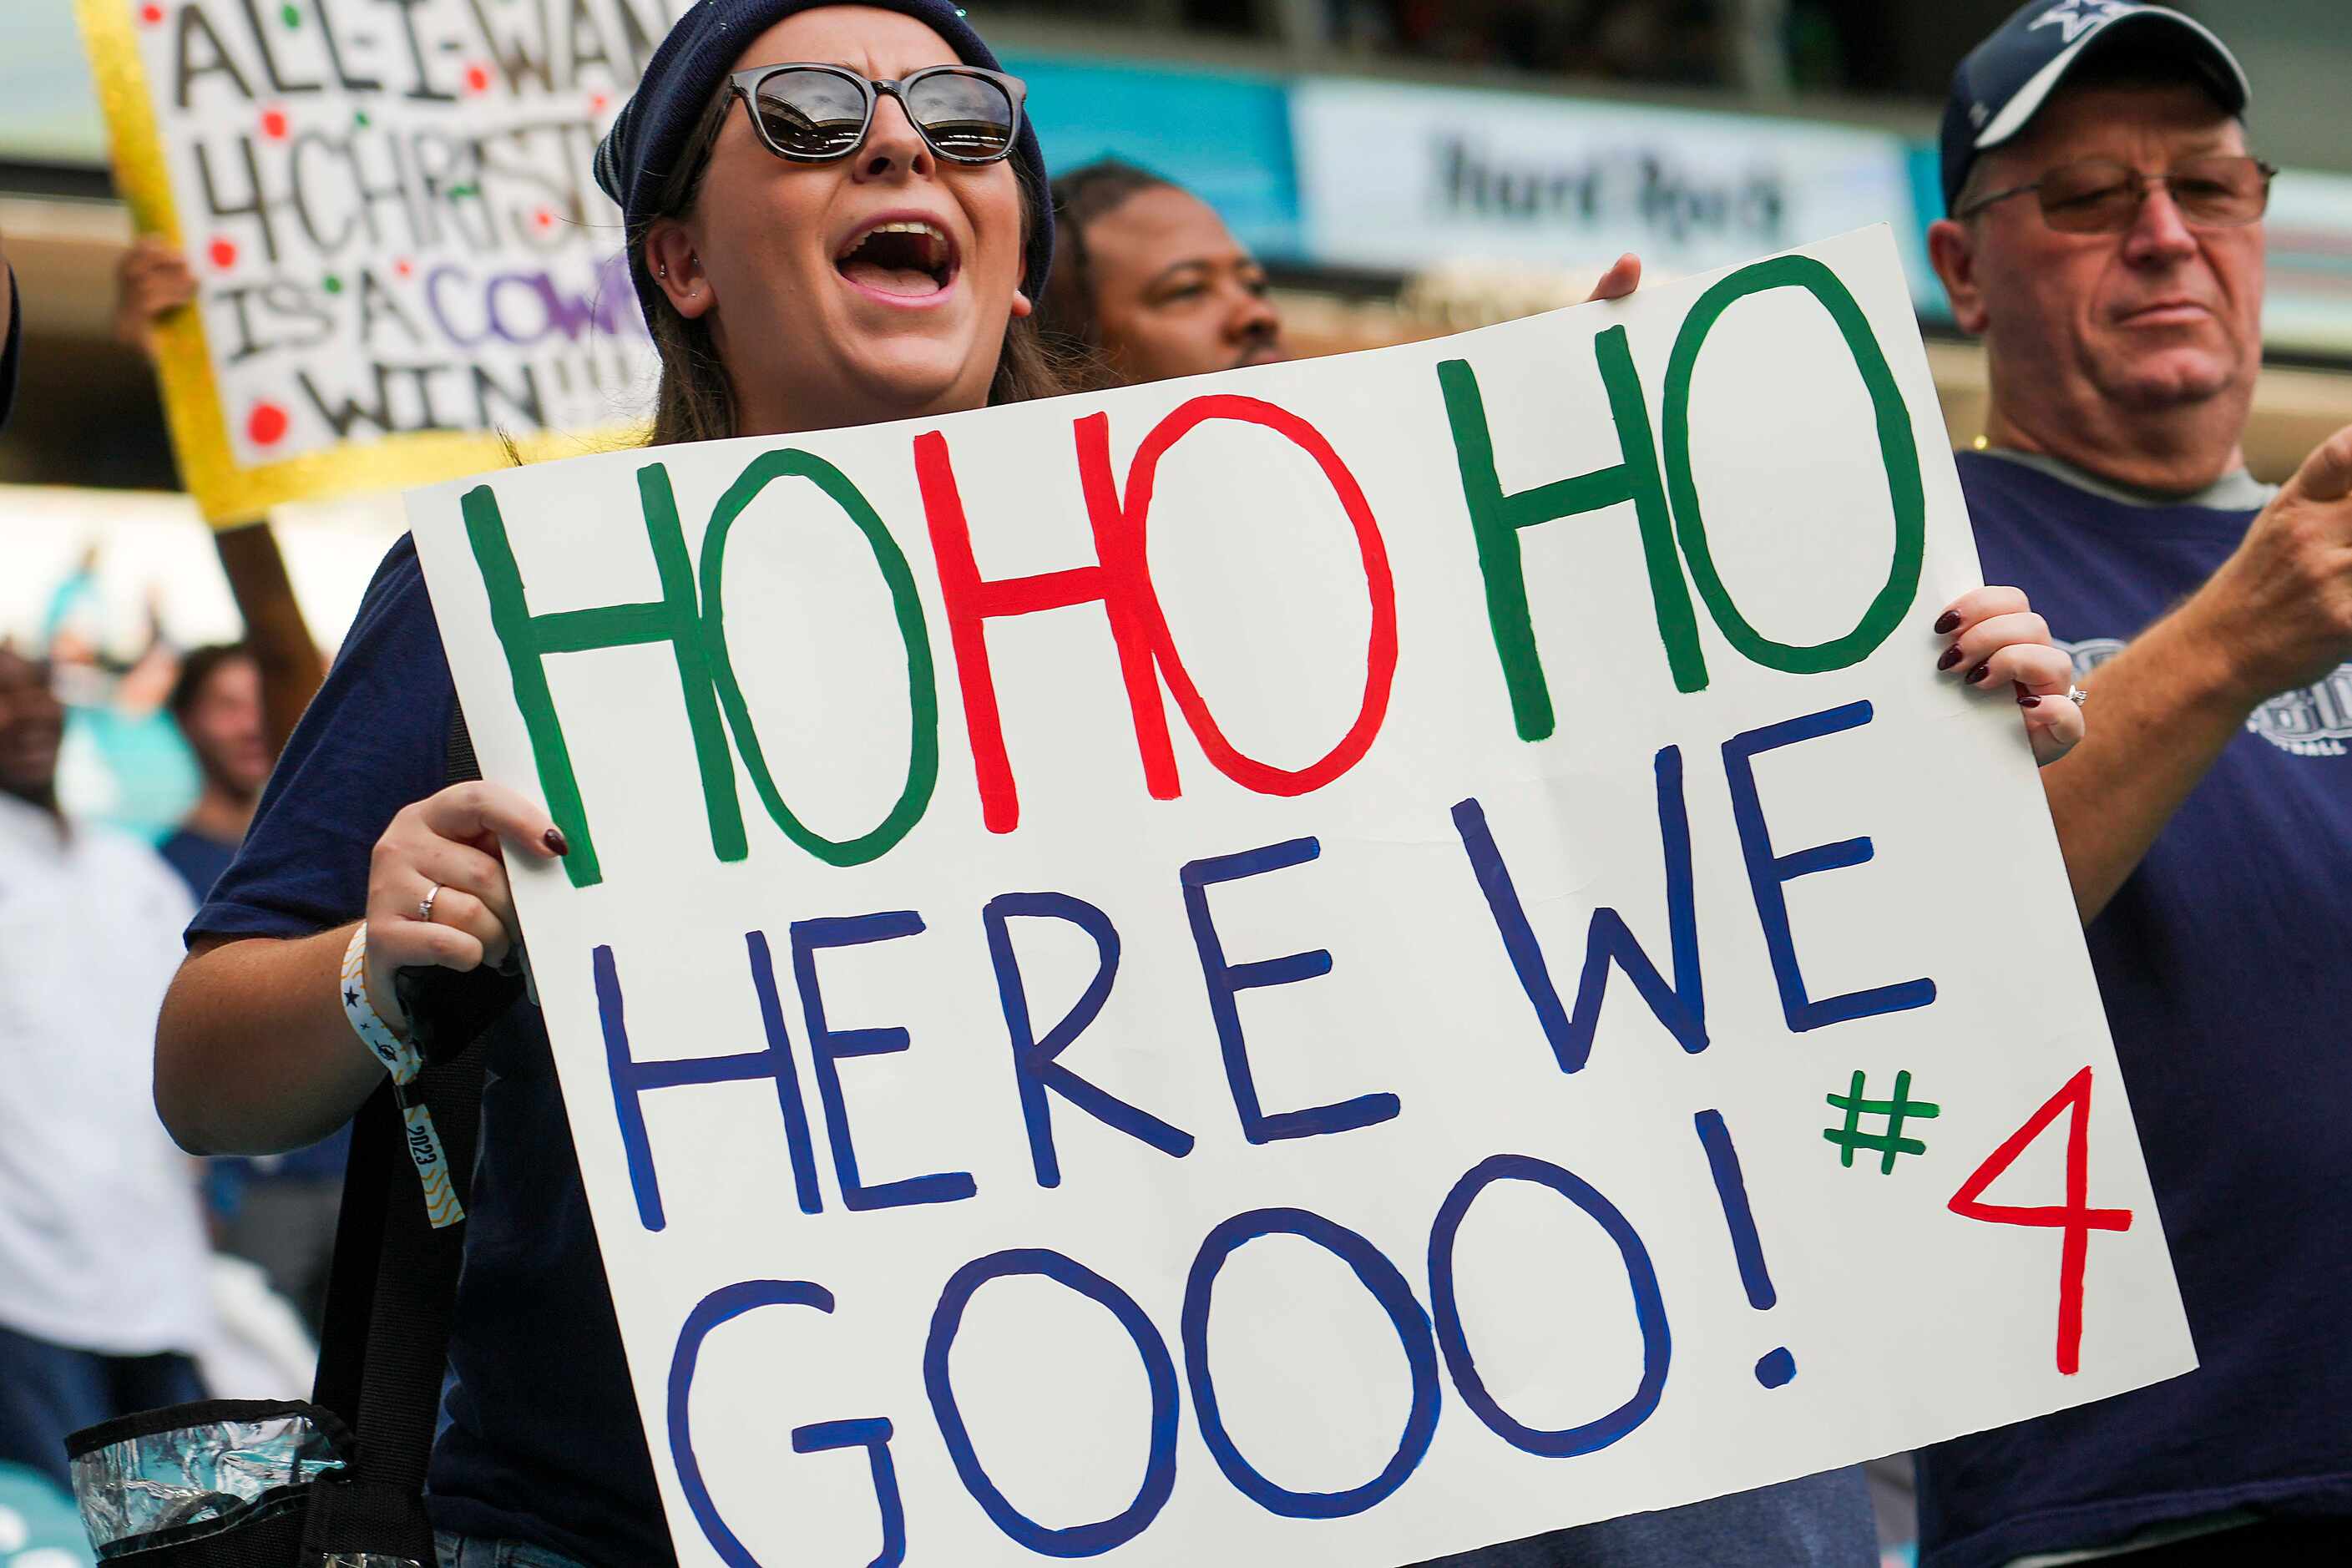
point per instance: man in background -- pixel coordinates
(2106, 242)
(1150, 283)
(216, 701)
(102, 1272)
(1147, 275)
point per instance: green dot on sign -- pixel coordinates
(332, 284)
(291, 13)
(359, 118)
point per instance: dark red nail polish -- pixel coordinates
(1949, 624)
(1951, 656)
(1979, 672)
(553, 839)
(2029, 702)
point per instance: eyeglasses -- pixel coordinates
(819, 113)
(2098, 196)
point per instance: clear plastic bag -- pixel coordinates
(193, 1479)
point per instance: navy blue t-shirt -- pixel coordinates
(2226, 966)
(541, 1443)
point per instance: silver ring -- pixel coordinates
(2077, 696)
(425, 904)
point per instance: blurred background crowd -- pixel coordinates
(1401, 168)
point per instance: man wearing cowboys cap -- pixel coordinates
(2106, 242)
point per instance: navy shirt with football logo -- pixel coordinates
(541, 1442)
(2226, 966)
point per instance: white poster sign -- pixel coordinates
(1491, 176)
(1330, 963)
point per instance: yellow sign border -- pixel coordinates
(228, 492)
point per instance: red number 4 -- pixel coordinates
(2074, 1220)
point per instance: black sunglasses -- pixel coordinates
(818, 113)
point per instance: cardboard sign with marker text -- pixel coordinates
(400, 255)
(1331, 963)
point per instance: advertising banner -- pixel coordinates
(1400, 177)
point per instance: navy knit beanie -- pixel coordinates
(693, 63)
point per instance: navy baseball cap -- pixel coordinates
(692, 65)
(2006, 79)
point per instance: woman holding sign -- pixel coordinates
(810, 250)
(861, 243)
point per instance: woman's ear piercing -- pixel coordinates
(661, 271)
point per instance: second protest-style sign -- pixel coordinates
(403, 264)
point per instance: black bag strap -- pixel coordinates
(391, 1296)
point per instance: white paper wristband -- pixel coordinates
(398, 1057)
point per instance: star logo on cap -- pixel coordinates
(2079, 16)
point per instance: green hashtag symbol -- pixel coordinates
(1897, 1111)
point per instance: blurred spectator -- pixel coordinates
(103, 1268)
(217, 702)
(1147, 275)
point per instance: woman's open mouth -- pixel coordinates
(907, 258)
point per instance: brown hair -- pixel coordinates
(695, 401)
(196, 667)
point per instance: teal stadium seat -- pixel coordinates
(39, 1525)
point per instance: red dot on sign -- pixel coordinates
(478, 78)
(265, 424)
(151, 14)
(544, 218)
(223, 253)
(404, 267)
(597, 102)
(273, 124)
